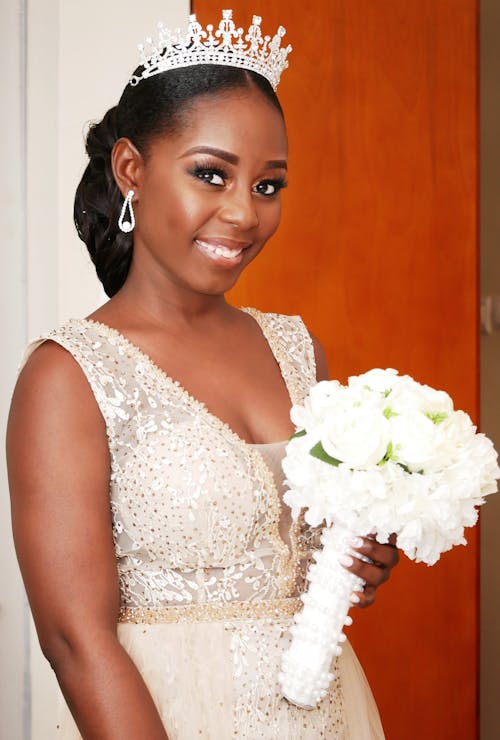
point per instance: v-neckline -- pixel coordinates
(289, 550)
(167, 380)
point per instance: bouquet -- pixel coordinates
(382, 455)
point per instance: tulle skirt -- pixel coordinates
(219, 680)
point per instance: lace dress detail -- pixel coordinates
(209, 578)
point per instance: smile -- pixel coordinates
(219, 252)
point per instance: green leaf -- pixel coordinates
(300, 433)
(389, 413)
(388, 454)
(318, 452)
(437, 418)
(407, 469)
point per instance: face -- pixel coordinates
(208, 197)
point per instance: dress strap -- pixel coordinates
(96, 359)
(292, 346)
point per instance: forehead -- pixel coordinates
(240, 121)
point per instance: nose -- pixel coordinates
(239, 209)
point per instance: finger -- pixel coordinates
(362, 599)
(393, 538)
(371, 573)
(384, 555)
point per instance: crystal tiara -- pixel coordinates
(227, 46)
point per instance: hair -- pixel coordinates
(155, 107)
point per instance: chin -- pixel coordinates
(222, 281)
(219, 287)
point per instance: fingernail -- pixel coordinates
(346, 560)
(355, 599)
(356, 542)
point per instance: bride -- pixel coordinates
(145, 441)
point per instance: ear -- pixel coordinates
(127, 164)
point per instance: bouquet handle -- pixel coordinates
(317, 634)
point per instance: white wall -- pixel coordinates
(67, 63)
(13, 612)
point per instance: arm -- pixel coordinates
(58, 462)
(383, 557)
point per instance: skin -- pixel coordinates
(172, 306)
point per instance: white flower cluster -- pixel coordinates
(401, 460)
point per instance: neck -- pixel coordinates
(163, 302)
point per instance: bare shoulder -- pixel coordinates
(51, 377)
(320, 357)
(49, 362)
(55, 427)
(54, 422)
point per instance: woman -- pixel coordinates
(175, 405)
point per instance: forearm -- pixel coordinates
(105, 691)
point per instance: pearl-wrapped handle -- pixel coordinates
(317, 634)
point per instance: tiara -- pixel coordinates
(227, 46)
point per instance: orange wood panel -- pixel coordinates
(378, 252)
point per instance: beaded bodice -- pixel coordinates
(195, 509)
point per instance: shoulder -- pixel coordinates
(79, 348)
(54, 424)
(51, 356)
(51, 381)
(285, 325)
(292, 331)
(52, 376)
(60, 342)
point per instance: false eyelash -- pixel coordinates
(202, 166)
(207, 166)
(278, 182)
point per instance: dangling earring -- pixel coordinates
(124, 223)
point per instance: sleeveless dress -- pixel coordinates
(210, 564)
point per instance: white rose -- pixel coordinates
(454, 435)
(299, 466)
(413, 438)
(357, 436)
(467, 455)
(316, 405)
(377, 380)
(412, 395)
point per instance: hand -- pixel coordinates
(376, 570)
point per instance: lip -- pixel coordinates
(224, 241)
(222, 251)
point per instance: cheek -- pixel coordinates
(173, 208)
(183, 215)
(270, 219)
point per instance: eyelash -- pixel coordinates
(203, 169)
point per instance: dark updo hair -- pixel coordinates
(154, 107)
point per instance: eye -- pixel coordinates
(270, 187)
(210, 175)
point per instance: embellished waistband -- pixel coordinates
(285, 607)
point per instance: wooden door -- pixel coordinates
(378, 252)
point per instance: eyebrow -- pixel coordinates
(231, 158)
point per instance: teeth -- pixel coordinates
(220, 251)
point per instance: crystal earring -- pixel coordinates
(124, 223)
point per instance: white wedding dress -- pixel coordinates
(210, 564)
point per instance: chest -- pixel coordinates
(238, 377)
(184, 488)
